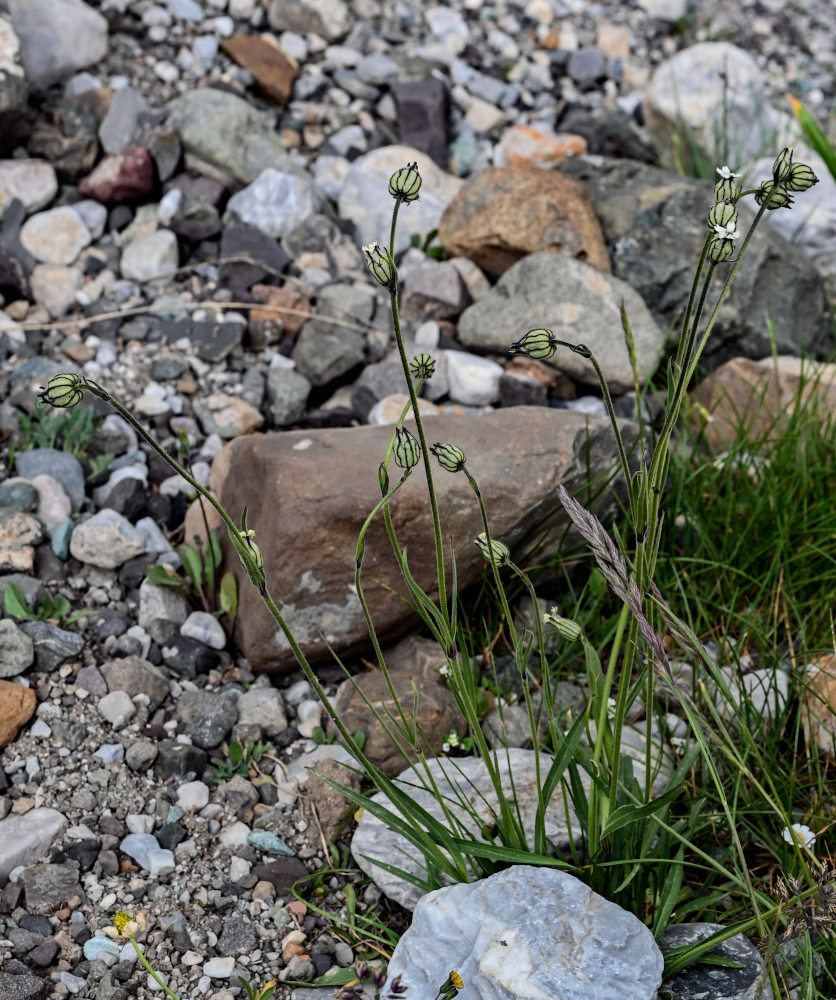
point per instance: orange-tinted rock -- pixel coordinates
(17, 706)
(292, 307)
(273, 70)
(121, 176)
(506, 213)
(524, 146)
(755, 398)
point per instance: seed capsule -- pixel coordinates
(64, 390)
(449, 456)
(501, 552)
(722, 214)
(782, 166)
(720, 249)
(380, 265)
(538, 344)
(726, 188)
(801, 177)
(774, 195)
(422, 367)
(405, 183)
(565, 627)
(407, 449)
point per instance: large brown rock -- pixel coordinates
(413, 667)
(309, 492)
(505, 213)
(755, 398)
(274, 71)
(17, 706)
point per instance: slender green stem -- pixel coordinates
(144, 961)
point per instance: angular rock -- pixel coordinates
(276, 203)
(818, 716)
(274, 71)
(328, 18)
(54, 287)
(228, 135)
(263, 707)
(121, 121)
(32, 182)
(316, 479)
(433, 290)
(527, 933)
(506, 213)
(61, 465)
(710, 89)
(656, 253)
(527, 146)
(414, 661)
(48, 887)
(17, 652)
(473, 381)
(259, 255)
(58, 37)
(735, 979)
(120, 176)
(287, 394)
(55, 237)
(23, 987)
(364, 197)
(423, 107)
(136, 676)
(227, 416)
(160, 602)
(106, 539)
(208, 717)
(341, 254)
(151, 257)
(17, 706)
(54, 646)
(578, 304)
(14, 89)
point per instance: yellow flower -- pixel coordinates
(125, 927)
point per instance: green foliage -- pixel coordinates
(200, 583)
(815, 134)
(319, 735)
(241, 759)
(428, 245)
(253, 994)
(51, 609)
(67, 429)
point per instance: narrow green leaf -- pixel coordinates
(15, 603)
(190, 559)
(815, 136)
(229, 595)
(161, 577)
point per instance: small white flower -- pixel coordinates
(445, 747)
(444, 669)
(729, 232)
(726, 173)
(611, 706)
(799, 834)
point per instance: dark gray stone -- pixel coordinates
(23, 987)
(326, 351)
(375, 382)
(215, 341)
(712, 982)
(321, 235)
(422, 116)
(654, 224)
(208, 717)
(587, 67)
(433, 290)
(136, 676)
(54, 646)
(259, 256)
(23, 940)
(19, 496)
(47, 887)
(238, 937)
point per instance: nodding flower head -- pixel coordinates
(801, 177)
(407, 449)
(380, 265)
(726, 188)
(501, 553)
(405, 183)
(773, 196)
(564, 627)
(422, 367)
(538, 344)
(782, 166)
(64, 390)
(449, 456)
(720, 249)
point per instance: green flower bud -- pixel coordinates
(801, 177)
(538, 344)
(722, 214)
(774, 195)
(726, 188)
(565, 627)
(449, 456)
(407, 450)
(782, 165)
(422, 366)
(380, 265)
(501, 553)
(720, 249)
(405, 183)
(244, 544)
(64, 390)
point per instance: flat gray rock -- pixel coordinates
(714, 982)
(24, 839)
(526, 934)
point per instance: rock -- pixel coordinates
(120, 123)
(656, 252)
(48, 887)
(735, 979)
(527, 933)
(422, 108)
(54, 287)
(328, 18)
(228, 135)
(287, 394)
(33, 589)
(106, 539)
(665, 10)
(60, 465)
(205, 628)
(326, 351)
(758, 697)
(262, 258)
(57, 37)
(14, 90)
(17, 652)
(17, 706)
(433, 290)
(413, 661)
(473, 381)
(55, 237)
(295, 471)
(341, 255)
(176, 759)
(226, 416)
(136, 676)
(146, 851)
(219, 968)
(208, 717)
(505, 214)
(608, 133)
(276, 203)
(121, 176)
(151, 257)
(23, 987)
(818, 716)
(54, 646)
(19, 528)
(364, 197)
(160, 603)
(578, 304)
(527, 146)
(117, 708)
(274, 71)
(710, 89)
(32, 182)
(192, 796)
(757, 398)
(263, 707)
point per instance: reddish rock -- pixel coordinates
(274, 71)
(525, 146)
(289, 305)
(121, 176)
(17, 706)
(506, 213)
